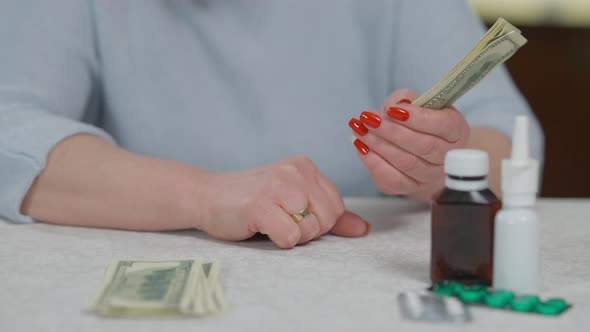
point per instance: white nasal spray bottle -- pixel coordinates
(516, 234)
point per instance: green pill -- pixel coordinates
(508, 295)
(477, 288)
(496, 301)
(531, 298)
(558, 303)
(523, 304)
(443, 289)
(456, 286)
(547, 309)
(471, 297)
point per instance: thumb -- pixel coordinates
(351, 225)
(397, 96)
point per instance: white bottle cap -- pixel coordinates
(466, 169)
(520, 174)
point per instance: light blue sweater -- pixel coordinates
(225, 85)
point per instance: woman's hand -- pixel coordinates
(262, 200)
(403, 146)
(93, 183)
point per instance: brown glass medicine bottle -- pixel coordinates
(463, 221)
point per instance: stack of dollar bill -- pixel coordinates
(160, 288)
(500, 42)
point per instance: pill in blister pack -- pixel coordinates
(500, 299)
(431, 307)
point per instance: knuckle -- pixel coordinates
(279, 191)
(287, 170)
(305, 164)
(287, 173)
(275, 185)
(303, 159)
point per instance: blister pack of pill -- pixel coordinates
(501, 299)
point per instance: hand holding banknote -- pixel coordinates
(406, 144)
(403, 145)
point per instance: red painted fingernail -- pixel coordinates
(371, 119)
(358, 126)
(398, 113)
(404, 101)
(363, 149)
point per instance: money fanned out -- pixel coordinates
(499, 43)
(160, 288)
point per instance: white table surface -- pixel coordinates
(49, 274)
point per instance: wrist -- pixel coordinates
(191, 199)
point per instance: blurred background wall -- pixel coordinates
(553, 72)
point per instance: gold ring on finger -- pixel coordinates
(297, 217)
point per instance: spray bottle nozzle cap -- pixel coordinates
(520, 140)
(520, 173)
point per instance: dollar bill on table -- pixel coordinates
(186, 287)
(499, 43)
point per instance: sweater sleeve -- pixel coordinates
(433, 36)
(48, 88)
